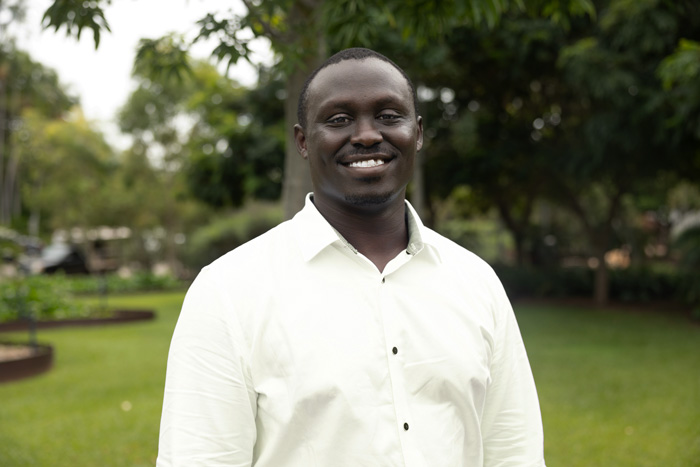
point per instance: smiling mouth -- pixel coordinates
(366, 163)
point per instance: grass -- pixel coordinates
(75, 415)
(616, 388)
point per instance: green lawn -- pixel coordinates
(617, 389)
(74, 414)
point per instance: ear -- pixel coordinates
(300, 140)
(419, 139)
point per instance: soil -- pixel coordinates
(15, 352)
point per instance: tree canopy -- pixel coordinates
(302, 31)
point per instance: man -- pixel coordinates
(351, 335)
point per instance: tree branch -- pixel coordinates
(271, 33)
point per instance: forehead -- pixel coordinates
(356, 81)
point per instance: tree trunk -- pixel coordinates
(297, 179)
(601, 284)
(11, 199)
(517, 225)
(3, 123)
(33, 223)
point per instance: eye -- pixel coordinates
(338, 119)
(387, 116)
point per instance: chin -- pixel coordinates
(369, 199)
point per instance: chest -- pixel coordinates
(331, 336)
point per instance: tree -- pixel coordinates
(620, 144)
(228, 140)
(24, 85)
(482, 91)
(302, 31)
(236, 147)
(50, 153)
(576, 117)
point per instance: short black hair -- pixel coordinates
(354, 53)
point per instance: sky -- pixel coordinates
(102, 78)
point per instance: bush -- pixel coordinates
(689, 245)
(137, 282)
(39, 298)
(531, 282)
(629, 285)
(645, 284)
(224, 234)
(51, 297)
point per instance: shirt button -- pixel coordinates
(395, 350)
(383, 279)
(405, 426)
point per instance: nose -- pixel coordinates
(366, 133)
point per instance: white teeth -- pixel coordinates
(369, 163)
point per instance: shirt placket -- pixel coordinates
(395, 345)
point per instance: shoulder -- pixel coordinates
(456, 257)
(264, 250)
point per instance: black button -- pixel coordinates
(383, 279)
(395, 350)
(405, 426)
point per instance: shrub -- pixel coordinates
(51, 297)
(138, 282)
(531, 282)
(629, 285)
(645, 284)
(39, 298)
(689, 245)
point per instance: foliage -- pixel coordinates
(52, 151)
(228, 232)
(162, 60)
(53, 297)
(39, 299)
(236, 147)
(141, 281)
(529, 282)
(24, 85)
(228, 141)
(533, 108)
(30, 84)
(632, 285)
(302, 31)
(75, 15)
(688, 243)
(531, 113)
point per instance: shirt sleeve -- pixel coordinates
(511, 423)
(209, 407)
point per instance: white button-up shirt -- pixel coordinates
(295, 350)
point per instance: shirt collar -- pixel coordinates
(314, 233)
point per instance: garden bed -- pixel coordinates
(116, 317)
(18, 361)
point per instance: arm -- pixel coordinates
(511, 423)
(209, 407)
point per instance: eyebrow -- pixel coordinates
(346, 103)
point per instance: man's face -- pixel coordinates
(361, 135)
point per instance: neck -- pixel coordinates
(378, 233)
